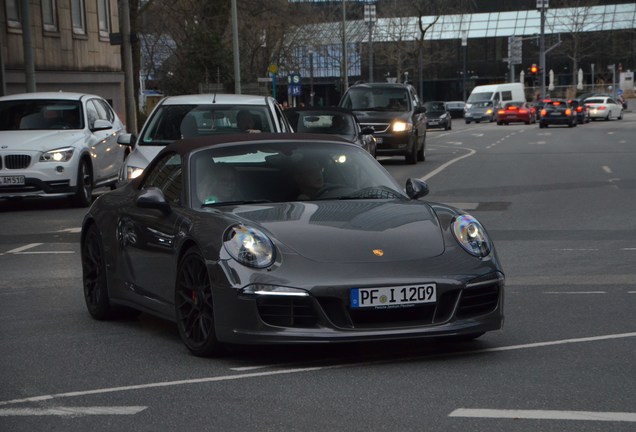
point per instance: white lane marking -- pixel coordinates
(23, 248)
(71, 411)
(628, 249)
(575, 249)
(545, 415)
(306, 369)
(447, 164)
(71, 230)
(575, 292)
(607, 169)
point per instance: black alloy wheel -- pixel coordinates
(84, 194)
(194, 305)
(94, 275)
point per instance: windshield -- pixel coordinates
(284, 172)
(321, 122)
(484, 104)
(435, 106)
(480, 97)
(377, 98)
(173, 122)
(40, 115)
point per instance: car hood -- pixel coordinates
(382, 116)
(351, 231)
(435, 114)
(39, 140)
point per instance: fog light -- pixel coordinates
(59, 169)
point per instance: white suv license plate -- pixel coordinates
(387, 297)
(12, 181)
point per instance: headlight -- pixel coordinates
(57, 155)
(272, 290)
(471, 235)
(133, 172)
(400, 126)
(249, 246)
(443, 116)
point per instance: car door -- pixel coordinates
(419, 120)
(107, 155)
(148, 236)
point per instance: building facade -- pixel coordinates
(68, 45)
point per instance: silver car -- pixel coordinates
(604, 108)
(58, 144)
(188, 116)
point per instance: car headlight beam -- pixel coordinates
(57, 155)
(401, 126)
(249, 246)
(471, 235)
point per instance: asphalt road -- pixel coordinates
(560, 206)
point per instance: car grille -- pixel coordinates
(479, 299)
(287, 311)
(16, 161)
(377, 127)
(427, 314)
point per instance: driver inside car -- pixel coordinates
(309, 178)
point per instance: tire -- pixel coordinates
(94, 278)
(411, 155)
(467, 121)
(620, 116)
(84, 194)
(194, 309)
(499, 123)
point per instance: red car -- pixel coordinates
(516, 112)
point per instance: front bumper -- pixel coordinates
(325, 315)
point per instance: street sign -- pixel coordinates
(294, 84)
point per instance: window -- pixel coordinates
(49, 15)
(14, 18)
(103, 16)
(77, 17)
(166, 175)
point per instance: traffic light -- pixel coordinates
(534, 70)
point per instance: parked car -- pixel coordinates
(437, 115)
(359, 260)
(557, 112)
(332, 121)
(582, 111)
(604, 108)
(186, 116)
(456, 108)
(395, 113)
(515, 112)
(480, 111)
(58, 144)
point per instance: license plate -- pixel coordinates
(387, 297)
(12, 181)
(556, 114)
(378, 140)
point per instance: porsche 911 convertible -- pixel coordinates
(287, 238)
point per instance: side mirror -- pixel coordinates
(416, 188)
(420, 110)
(126, 139)
(368, 130)
(101, 124)
(153, 198)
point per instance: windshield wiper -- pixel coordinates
(229, 203)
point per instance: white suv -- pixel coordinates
(58, 144)
(188, 116)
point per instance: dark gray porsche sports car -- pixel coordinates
(287, 238)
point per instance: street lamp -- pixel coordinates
(370, 19)
(311, 77)
(542, 5)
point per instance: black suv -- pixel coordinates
(395, 113)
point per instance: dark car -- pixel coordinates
(516, 112)
(479, 112)
(456, 108)
(332, 121)
(287, 238)
(582, 111)
(394, 112)
(437, 115)
(557, 112)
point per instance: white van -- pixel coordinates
(496, 93)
